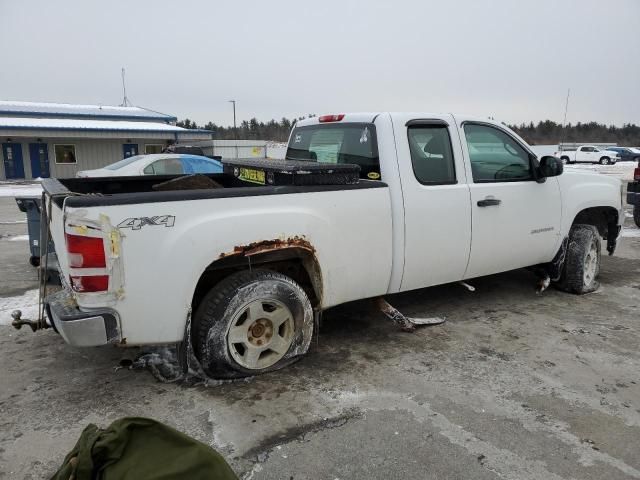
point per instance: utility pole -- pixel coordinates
(564, 122)
(235, 131)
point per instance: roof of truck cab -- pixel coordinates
(369, 117)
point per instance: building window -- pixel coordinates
(151, 148)
(65, 154)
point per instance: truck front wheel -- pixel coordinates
(636, 215)
(582, 260)
(251, 323)
(605, 161)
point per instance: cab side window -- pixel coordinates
(495, 156)
(431, 154)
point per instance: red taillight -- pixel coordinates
(89, 283)
(85, 252)
(331, 118)
(636, 174)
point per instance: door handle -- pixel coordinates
(488, 202)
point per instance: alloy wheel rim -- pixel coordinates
(590, 265)
(260, 334)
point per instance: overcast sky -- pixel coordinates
(512, 60)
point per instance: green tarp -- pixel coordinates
(137, 448)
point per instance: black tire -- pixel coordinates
(576, 275)
(225, 306)
(566, 160)
(636, 215)
(605, 161)
(34, 261)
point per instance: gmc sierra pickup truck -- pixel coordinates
(589, 154)
(242, 271)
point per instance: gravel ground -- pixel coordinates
(513, 385)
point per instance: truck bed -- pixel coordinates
(103, 191)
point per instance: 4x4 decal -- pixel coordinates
(139, 222)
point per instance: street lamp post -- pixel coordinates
(235, 131)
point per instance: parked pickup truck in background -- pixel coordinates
(588, 154)
(633, 195)
(240, 271)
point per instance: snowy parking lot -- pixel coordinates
(513, 385)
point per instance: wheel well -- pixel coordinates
(603, 218)
(299, 264)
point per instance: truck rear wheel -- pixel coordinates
(636, 215)
(582, 261)
(251, 323)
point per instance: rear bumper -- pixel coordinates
(82, 329)
(633, 193)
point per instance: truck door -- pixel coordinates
(585, 154)
(436, 200)
(515, 220)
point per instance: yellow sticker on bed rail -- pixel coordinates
(251, 175)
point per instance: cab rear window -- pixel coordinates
(353, 143)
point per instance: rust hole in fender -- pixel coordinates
(270, 245)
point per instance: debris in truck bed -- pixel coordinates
(188, 182)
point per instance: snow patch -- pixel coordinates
(631, 232)
(27, 302)
(19, 238)
(19, 190)
(621, 170)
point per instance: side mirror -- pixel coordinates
(550, 167)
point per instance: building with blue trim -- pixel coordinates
(58, 139)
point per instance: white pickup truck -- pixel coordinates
(589, 154)
(441, 198)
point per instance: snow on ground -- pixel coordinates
(19, 238)
(631, 232)
(621, 170)
(9, 189)
(27, 302)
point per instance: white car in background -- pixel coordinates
(588, 154)
(156, 164)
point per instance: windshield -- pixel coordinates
(353, 143)
(123, 163)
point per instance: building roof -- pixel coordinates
(26, 123)
(61, 110)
